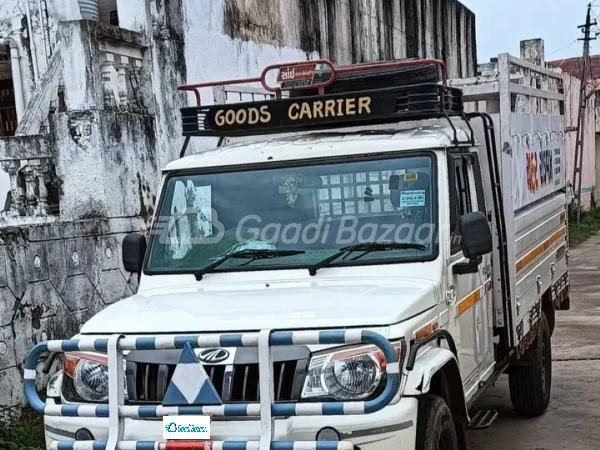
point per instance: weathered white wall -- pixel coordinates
(245, 35)
(107, 165)
(572, 86)
(134, 15)
(226, 57)
(53, 278)
(13, 23)
(196, 41)
(58, 271)
(357, 30)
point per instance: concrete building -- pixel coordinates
(90, 113)
(590, 178)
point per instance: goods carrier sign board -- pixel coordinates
(298, 112)
(313, 112)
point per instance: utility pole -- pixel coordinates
(583, 99)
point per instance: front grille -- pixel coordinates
(245, 388)
(148, 382)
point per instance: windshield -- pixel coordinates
(305, 213)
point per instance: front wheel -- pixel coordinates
(435, 426)
(530, 386)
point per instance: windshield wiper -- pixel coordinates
(366, 248)
(251, 255)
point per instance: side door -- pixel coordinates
(467, 313)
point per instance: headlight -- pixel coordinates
(91, 381)
(350, 374)
(87, 377)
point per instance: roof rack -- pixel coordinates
(335, 72)
(360, 106)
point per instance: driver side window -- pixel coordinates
(460, 196)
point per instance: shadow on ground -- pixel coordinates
(573, 420)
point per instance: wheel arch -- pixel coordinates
(447, 383)
(437, 372)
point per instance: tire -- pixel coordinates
(435, 426)
(530, 386)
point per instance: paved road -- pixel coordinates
(573, 419)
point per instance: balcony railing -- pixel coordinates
(121, 68)
(118, 75)
(33, 182)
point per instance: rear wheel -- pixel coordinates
(530, 385)
(435, 426)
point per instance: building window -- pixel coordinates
(8, 111)
(108, 12)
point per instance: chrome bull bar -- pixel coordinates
(116, 410)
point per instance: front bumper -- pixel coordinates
(392, 428)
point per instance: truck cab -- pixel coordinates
(337, 275)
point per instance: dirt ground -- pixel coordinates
(573, 419)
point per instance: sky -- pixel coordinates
(502, 24)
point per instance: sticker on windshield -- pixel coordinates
(410, 199)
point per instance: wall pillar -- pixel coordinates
(532, 50)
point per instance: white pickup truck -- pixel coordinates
(352, 267)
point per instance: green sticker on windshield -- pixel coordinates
(410, 199)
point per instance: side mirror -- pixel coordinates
(476, 236)
(476, 241)
(134, 250)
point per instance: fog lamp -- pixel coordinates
(328, 434)
(84, 435)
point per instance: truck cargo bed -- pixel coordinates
(526, 104)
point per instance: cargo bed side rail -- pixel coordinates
(116, 410)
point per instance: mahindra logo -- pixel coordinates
(213, 355)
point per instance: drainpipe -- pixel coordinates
(16, 75)
(44, 27)
(36, 70)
